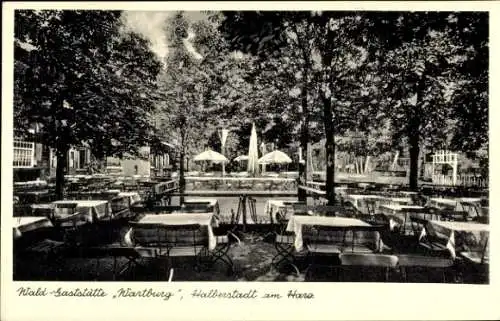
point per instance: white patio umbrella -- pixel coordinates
(212, 156)
(253, 166)
(275, 157)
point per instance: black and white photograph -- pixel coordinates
(250, 146)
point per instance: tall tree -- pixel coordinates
(83, 82)
(331, 52)
(425, 58)
(284, 43)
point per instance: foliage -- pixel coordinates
(84, 80)
(87, 81)
(429, 96)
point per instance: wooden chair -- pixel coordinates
(168, 241)
(323, 241)
(114, 251)
(283, 240)
(433, 245)
(365, 239)
(410, 261)
(387, 262)
(154, 209)
(300, 209)
(482, 219)
(226, 236)
(451, 215)
(22, 210)
(120, 207)
(417, 224)
(478, 257)
(324, 210)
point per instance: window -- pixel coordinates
(24, 154)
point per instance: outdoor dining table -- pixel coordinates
(297, 223)
(208, 201)
(342, 190)
(212, 204)
(84, 211)
(459, 236)
(273, 207)
(398, 200)
(359, 201)
(467, 204)
(443, 202)
(134, 197)
(472, 205)
(34, 196)
(203, 219)
(29, 223)
(398, 214)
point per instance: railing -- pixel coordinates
(462, 180)
(445, 157)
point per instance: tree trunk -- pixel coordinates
(304, 139)
(329, 149)
(62, 159)
(182, 180)
(414, 153)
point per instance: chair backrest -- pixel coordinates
(371, 206)
(451, 215)
(328, 210)
(482, 219)
(320, 234)
(119, 203)
(365, 235)
(22, 210)
(65, 209)
(300, 209)
(324, 210)
(472, 208)
(168, 236)
(155, 209)
(418, 220)
(357, 259)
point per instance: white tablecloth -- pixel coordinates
(358, 201)
(274, 206)
(203, 219)
(460, 236)
(86, 209)
(466, 204)
(296, 223)
(397, 213)
(443, 202)
(134, 197)
(29, 223)
(208, 201)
